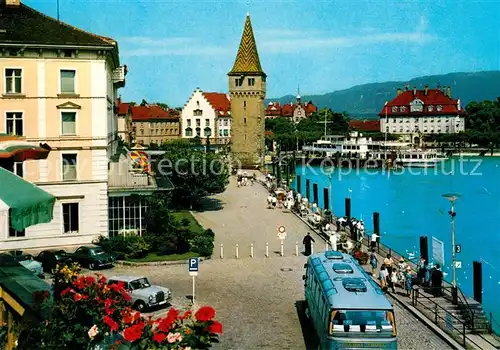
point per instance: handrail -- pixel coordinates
(469, 308)
(416, 295)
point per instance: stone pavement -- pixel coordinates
(244, 219)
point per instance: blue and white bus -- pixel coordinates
(346, 307)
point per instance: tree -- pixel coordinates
(143, 103)
(194, 173)
(163, 105)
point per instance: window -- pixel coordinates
(198, 122)
(220, 132)
(68, 53)
(225, 122)
(189, 122)
(207, 132)
(69, 167)
(245, 120)
(238, 82)
(244, 104)
(14, 123)
(198, 112)
(394, 109)
(402, 109)
(439, 108)
(251, 81)
(71, 217)
(13, 81)
(198, 132)
(430, 108)
(207, 122)
(68, 81)
(226, 132)
(245, 136)
(68, 120)
(19, 169)
(14, 233)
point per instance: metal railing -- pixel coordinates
(448, 320)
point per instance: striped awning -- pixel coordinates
(19, 150)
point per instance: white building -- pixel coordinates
(414, 113)
(207, 114)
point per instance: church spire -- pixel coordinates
(247, 60)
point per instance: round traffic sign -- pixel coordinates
(281, 229)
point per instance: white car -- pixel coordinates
(144, 294)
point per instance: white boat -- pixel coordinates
(418, 158)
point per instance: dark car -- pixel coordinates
(51, 258)
(92, 257)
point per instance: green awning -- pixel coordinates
(28, 204)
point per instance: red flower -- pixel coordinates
(134, 332)
(204, 314)
(79, 282)
(125, 295)
(108, 302)
(66, 291)
(186, 315)
(173, 314)
(165, 324)
(113, 326)
(89, 280)
(159, 337)
(77, 297)
(215, 328)
(109, 311)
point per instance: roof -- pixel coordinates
(122, 108)
(276, 109)
(365, 125)
(125, 278)
(429, 97)
(247, 59)
(219, 101)
(29, 205)
(374, 298)
(153, 112)
(24, 25)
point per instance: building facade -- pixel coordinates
(295, 112)
(61, 89)
(207, 115)
(247, 90)
(414, 113)
(124, 121)
(153, 124)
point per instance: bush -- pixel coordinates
(125, 246)
(203, 244)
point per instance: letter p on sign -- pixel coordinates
(193, 265)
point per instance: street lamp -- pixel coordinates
(208, 133)
(452, 197)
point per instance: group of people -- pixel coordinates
(392, 275)
(244, 180)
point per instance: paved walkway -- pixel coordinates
(245, 219)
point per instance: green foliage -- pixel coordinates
(162, 105)
(125, 246)
(194, 173)
(203, 243)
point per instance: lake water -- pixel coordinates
(411, 205)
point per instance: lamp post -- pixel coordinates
(208, 132)
(452, 197)
(386, 129)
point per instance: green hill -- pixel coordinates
(366, 101)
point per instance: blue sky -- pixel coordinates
(172, 47)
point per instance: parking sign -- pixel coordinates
(193, 265)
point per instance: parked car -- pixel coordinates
(27, 261)
(51, 258)
(144, 295)
(92, 257)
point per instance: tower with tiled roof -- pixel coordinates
(247, 89)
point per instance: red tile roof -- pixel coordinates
(122, 108)
(153, 112)
(433, 97)
(278, 110)
(219, 101)
(365, 125)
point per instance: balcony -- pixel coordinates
(119, 76)
(123, 177)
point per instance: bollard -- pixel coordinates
(312, 248)
(296, 248)
(281, 248)
(251, 250)
(222, 251)
(237, 252)
(267, 250)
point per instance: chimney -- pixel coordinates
(399, 91)
(406, 87)
(12, 3)
(414, 91)
(426, 89)
(448, 91)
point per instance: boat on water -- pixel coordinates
(356, 146)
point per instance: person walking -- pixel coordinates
(333, 240)
(437, 281)
(382, 277)
(408, 281)
(308, 241)
(373, 240)
(389, 262)
(421, 270)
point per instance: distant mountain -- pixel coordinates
(366, 101)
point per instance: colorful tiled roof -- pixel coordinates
(153, 112)
(247, 59)
(430, 97)
(23, 25)
(365, 125)
(220, 102)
